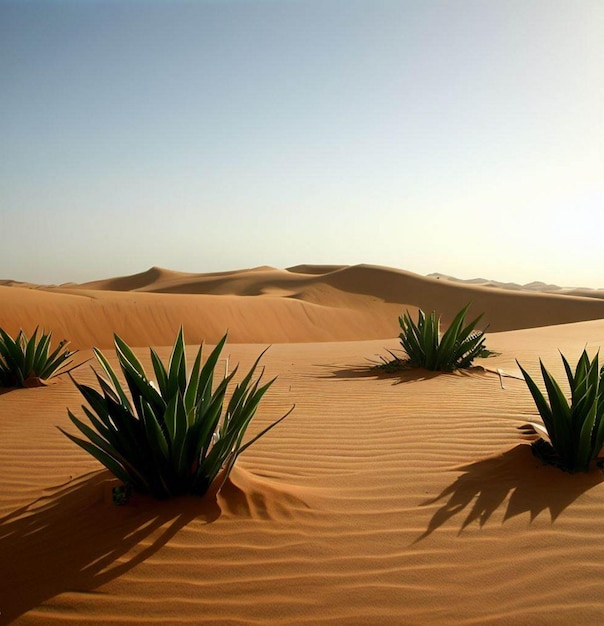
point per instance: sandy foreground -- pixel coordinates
(382, 499)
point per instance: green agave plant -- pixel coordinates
(173, 437)
(425, 347)
(24, 360)
(575, 431)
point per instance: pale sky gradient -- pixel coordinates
(463, 137)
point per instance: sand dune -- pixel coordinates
(268, 305)
(536, 285)
(402, 499)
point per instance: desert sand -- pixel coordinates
(409, 498)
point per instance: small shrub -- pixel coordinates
(169, 438)
(575, 431)
(457, 348)
(26, 361)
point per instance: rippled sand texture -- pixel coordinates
(401, 499)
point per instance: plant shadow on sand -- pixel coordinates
(531, 486)
(76, 539)
(400, 377)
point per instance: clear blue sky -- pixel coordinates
(460, 136)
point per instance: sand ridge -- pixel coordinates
(264, 304)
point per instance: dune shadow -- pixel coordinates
(76, 539)
(515, 480)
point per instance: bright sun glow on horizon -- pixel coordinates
(463, 137)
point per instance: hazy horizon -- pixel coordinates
(459, 137)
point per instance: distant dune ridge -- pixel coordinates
(535, 285)
(264, 304)
(382, 499)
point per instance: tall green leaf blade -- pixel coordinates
(177, 376)
(41, 352)
(55, 361)
(206, 376)
(190, 395)
(158, 443)
(30, 351)
(585, 451)
(161, 374)
(100, 455)
(112, 377)
(540, 401)
(136, 377)
(450, 336)
(561, 416)
(14, 356)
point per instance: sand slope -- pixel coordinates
(404, 499)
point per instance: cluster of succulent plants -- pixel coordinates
(175, 436)
(426, 347)
(181, 432)
(572, 432)
(26, 361)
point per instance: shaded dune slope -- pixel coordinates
(264, 304)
